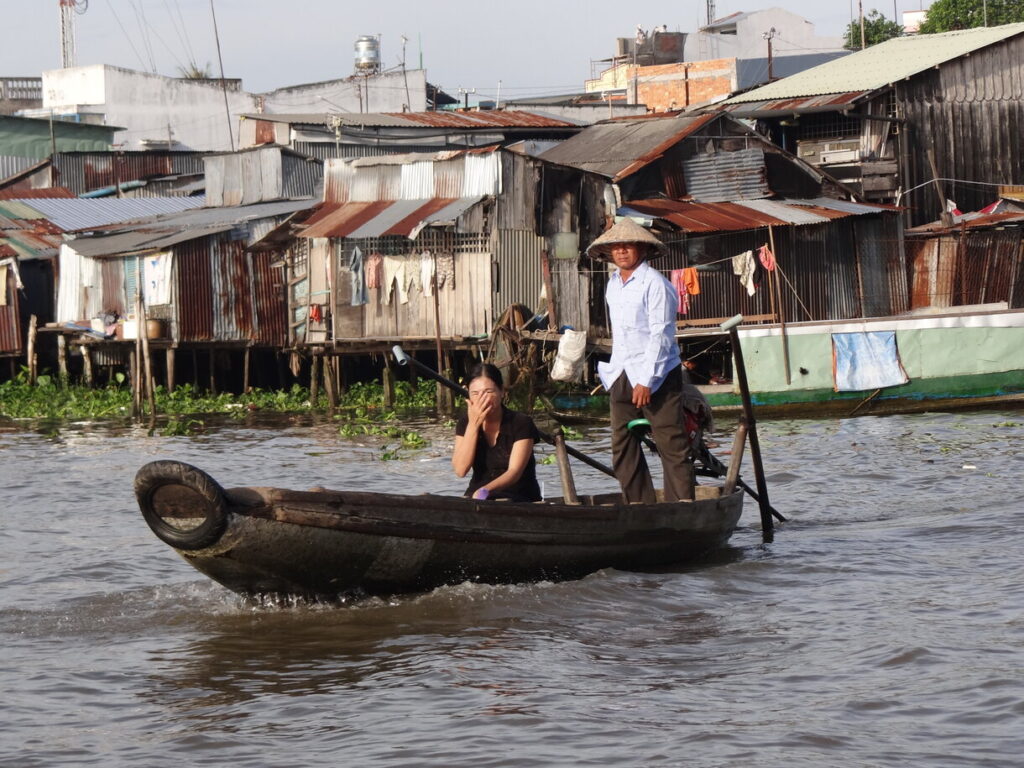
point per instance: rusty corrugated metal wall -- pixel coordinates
(232, 289)
(271, 306)
(114, 299)
(980, 266)
(83, 172)
(195, 290)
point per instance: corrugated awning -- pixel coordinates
(381, 218)
(746, 214)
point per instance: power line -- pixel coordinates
(126, 35)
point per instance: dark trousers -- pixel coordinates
(668, 425)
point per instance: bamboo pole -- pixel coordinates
(246, 360)
(147, 363)
(782, 311)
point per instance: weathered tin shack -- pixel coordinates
(31, 233)
(198, 281)
(490, 227)
(893, 118)
(977, 262)
(714, 189)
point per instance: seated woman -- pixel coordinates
(495, 442)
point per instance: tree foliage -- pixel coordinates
(195, 72)
(877, 29)
(948, 15)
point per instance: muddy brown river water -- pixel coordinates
(883, 627)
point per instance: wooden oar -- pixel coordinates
(713, 467)
(403, 359)
(767, 527)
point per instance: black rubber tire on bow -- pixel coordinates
(159, 474)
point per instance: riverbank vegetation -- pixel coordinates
(48, 399)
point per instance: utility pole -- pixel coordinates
(769, 35)
(860, 11)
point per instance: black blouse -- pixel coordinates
(490, 461)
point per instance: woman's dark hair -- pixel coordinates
(488, 371)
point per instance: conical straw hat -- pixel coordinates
(624, 231)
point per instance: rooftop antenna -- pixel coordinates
(68, 9)
(712, 14)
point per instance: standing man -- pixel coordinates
(644, 376)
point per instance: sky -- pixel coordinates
(533, 47)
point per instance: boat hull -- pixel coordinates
(323, 544)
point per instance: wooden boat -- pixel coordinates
(321, 544)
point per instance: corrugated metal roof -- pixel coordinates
(31, 194)
(81, 213)
(881, 64)
(477, 120)
(833, 102)
(616, 149)
(741, 215)
(403, 218)
(168, 229)
(790, 214)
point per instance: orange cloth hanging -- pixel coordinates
(691, 281)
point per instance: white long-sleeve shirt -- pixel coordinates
(642, 311)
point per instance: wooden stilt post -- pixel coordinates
(314, 381)
(30, 350)
(195, 368)
(246, 360)
(87, 365)
(213, 371)
(339, 375)
(330, 385)
(133, 373)
(170, 354)
(389, 382)
(62, 358)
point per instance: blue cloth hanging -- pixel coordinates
(360, 295)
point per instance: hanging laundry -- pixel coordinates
(373, 268)
(744, 266)
(394, 275)
(678, 281)
(446, 270)
(427, 273)
(766, 257)
(157, 275)
(691, 281)
(316, 313)
(355, 266)
(3, 285)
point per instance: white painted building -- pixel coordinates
(742, 36)
(192, 115)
